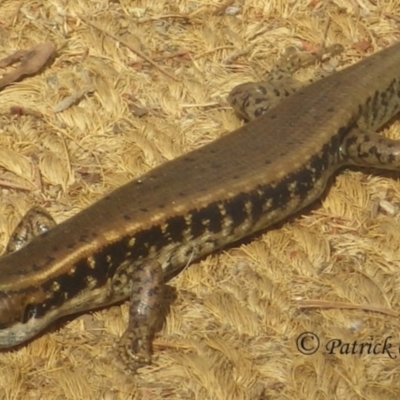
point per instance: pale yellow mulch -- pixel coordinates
(231, 333)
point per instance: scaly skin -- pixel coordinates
(188, 207)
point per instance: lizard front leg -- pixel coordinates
(147, 293)
(35, 222)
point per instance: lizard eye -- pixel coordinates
(29, 312)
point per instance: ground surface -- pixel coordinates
(232, 330)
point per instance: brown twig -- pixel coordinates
(348, 306)
(19, 110)
(13, 185)
(164, 16)
(180, 53)
(133, 49)
(394, 17)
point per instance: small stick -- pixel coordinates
(133, 49)
(338, 304)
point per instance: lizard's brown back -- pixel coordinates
(261, 154)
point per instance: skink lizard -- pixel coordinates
(129, 242)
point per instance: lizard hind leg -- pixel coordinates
(252, 99)
(369, 149)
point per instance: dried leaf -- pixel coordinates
(71, 100)
(32, 61)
